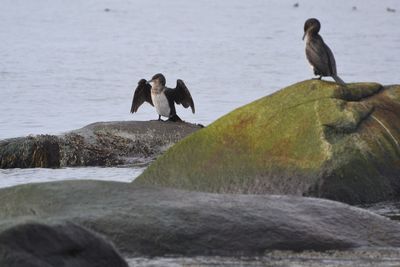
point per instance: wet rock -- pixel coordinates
(98, 144)
(313, 138)
(30, 152)
(367, 257)
(65, 244)
(148, 221)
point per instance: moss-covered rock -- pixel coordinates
(313, 138)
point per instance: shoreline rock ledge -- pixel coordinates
(150, 221)
(314, 138)
(97, 144)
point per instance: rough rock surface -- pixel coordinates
(66, 244)
(368, 257)
(148, 221)
(98, 144)
(314, 138)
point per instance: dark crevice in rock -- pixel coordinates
(344, 94)
(333, 133)
(347, 95)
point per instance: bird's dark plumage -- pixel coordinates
(318, 53)
(161, 97)
(142, 94)
(181, 95)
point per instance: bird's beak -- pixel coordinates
(149, 81)
(304, 36)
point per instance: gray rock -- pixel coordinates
(66, 244)
(98, 144)
(363, 257)
(149, 221)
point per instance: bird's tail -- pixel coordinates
(338, 80)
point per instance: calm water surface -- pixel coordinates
(65, 64)
(24, 176)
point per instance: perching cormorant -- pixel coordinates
(162, 98)
(318, 53)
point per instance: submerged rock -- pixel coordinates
(65, 244)
(98, 144)
(313, 138)
(148, 221)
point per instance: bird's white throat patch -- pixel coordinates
(161, 104)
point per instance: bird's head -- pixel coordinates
(157, 80)
(311, 26)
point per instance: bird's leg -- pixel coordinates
(317, 73)
(159, 117)
(174, 118)
(317, 78)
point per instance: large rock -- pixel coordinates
(98, 144)
(313, 138)
(65, 244)
(146, 221)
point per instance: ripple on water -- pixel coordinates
(11, 177)
(390, 209)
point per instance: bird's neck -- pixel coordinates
(157, 89)
(312, 34)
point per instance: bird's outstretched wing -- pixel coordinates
(321, 57)
(142, 94)
(182, 95)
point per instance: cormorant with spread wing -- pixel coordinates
(161, 97)
(319, 55)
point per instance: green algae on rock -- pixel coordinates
(313, 138)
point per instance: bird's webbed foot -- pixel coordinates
(174, 118)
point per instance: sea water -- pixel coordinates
(65, 64)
